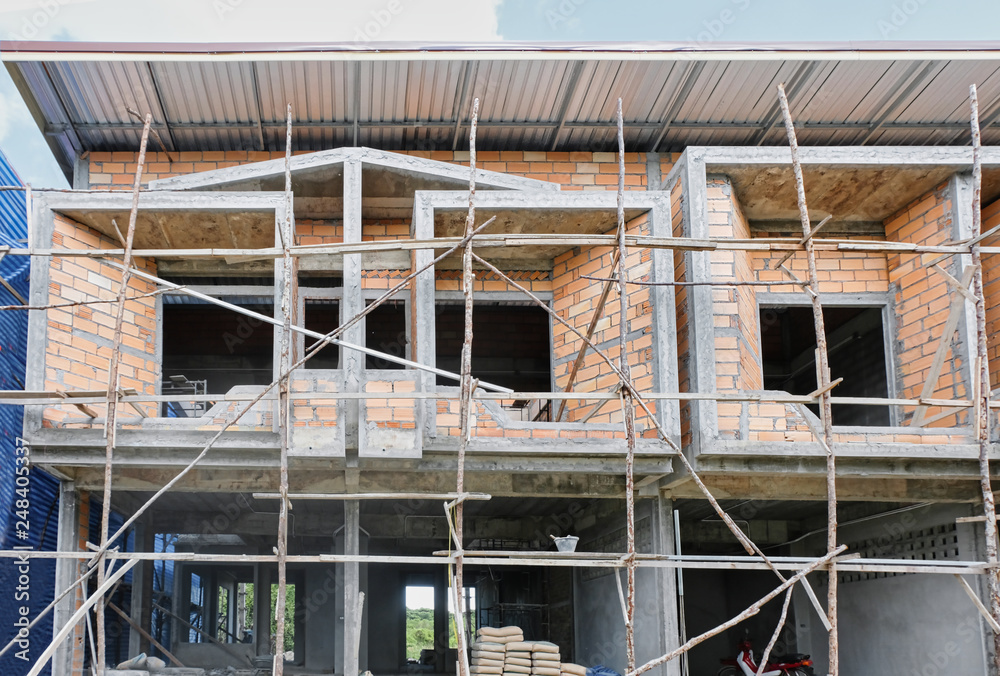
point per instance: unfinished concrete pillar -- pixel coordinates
(422, 313)
(665, 600)
(67, 570)
(141, 609)
(352, 302)
(352, 586)
(441, 628)
(262, 609)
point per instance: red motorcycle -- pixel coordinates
(745, 664)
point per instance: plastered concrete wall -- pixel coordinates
(922, 298)
(79, 338)
(906, 623)
(598, 622)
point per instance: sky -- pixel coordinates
(369, 21)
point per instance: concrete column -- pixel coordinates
(664, 320)
(353, 301)
(422, 311)
(141, 610)
(666, 597)
(352, 585)
(67, 571)
(262, 609)
(704, 414)
(441, 628)
(960, 187)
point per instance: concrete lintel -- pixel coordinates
(257, 171)
(959, 157)
(450, 200)
(763, 485)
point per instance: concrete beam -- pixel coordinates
(771, 486)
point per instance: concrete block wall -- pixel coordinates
(78, 339)
(575, 298)
(922, 298)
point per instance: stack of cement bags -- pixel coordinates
(518, 659)
(570, 669)
(545, 660)
(490, 649)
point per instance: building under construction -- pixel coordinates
(306, 362)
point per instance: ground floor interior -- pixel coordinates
(217, 615)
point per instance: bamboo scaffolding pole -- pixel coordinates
(762, 244)
(628, 407)
(543, 558)
(284, 419)
(465, 401)
(777, 631)
(822, 381)
(982, 377)
(749, 612)
(72, 397)
(110, 426)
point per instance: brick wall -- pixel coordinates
(79, 338)
(922, 300)
(575, 298)
(737, 354)
(991, 288)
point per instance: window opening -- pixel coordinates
(322, 316)
(856, 347)
(385, 331)
(510, 347)
(209, 350)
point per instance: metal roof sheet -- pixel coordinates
(533, 97)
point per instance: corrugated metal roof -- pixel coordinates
(533, 97)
